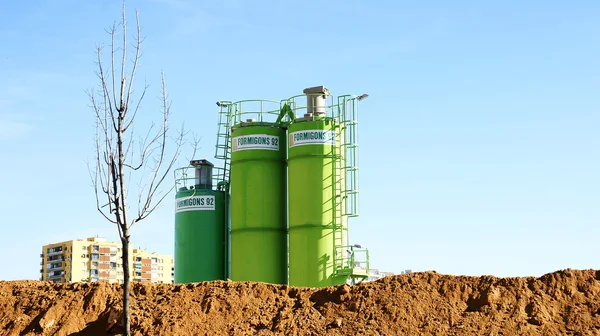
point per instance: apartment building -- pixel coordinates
(152, 267)
(95, 259)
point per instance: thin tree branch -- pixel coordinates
(122, 106)
(112, 62)
(195, 146)
(105, 89)
(135, 63)
(137, 107)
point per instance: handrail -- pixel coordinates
(186, 179)
(257, 108)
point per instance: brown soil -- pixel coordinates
(561, 303)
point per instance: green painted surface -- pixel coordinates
(311, 188)
(258, 204)
(200, 237)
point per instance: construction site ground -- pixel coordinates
(565, 302)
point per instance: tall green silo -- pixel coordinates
(200, 225)
(317, 225)
(258, 202)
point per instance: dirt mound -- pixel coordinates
(561, 303)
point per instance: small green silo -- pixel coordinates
(317, 225)
(258, 202)
(200, 225)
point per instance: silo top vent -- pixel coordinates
(317, 89)
(200, 163)
(315, 101)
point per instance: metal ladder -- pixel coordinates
(340, 259)
(223, 152)
(344, 173)
(349, 146)
(223, 145)
(345, 198)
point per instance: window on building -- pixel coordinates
(138, 274)
(95, 248)
(113, 265)
(94, 264)
(154, 260)
(93, 272)
(84, 248)
(138, 259)
(95, 256)
(52, 266)
(54, 249)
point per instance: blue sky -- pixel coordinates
(479, 142)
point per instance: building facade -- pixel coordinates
(95, 259)
(152, 267)
(375, 274)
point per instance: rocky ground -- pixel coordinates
(561, 303)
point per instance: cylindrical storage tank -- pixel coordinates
(312, 188)
(200, 232)
(258, 203)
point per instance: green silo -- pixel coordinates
(200, 225)
(258, 202)
(317, 225)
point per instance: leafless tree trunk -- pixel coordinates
(122, 156)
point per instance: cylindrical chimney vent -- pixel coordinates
(203, 173)
(316, 100)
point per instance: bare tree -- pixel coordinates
(122, 156)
